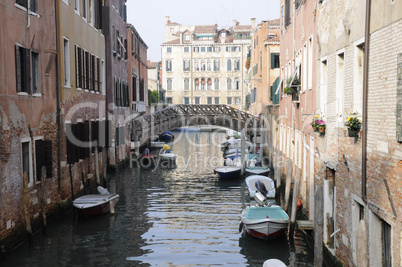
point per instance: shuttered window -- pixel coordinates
(70, 146)
(22, 69)
(43, 157)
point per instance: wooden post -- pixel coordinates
(255, 136)
(288, 183)
(25, 201)
(243, 150)
(318, 227)
(43, 183)
(262, 141)
(97, 163)
(277, 170)
(295, 196)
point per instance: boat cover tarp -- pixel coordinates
(259, 213)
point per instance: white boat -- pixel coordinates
(258, 170)
(264, 222)
(163, 155)
(228, 172)
(95, 204)
(263, 184)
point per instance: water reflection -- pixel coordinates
(180, 216)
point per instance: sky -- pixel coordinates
(148, 16)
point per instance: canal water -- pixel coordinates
(180, 215)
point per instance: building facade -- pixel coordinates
(28, 115)
(117, 83)
(359, 73)
(82, 101)
(202, 64)
(264, 67)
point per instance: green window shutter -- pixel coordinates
(272, 61)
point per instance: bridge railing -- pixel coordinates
(188, 115)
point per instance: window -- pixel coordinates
(340, 84)
(237, 100)
(209, 100)
(168, 65)
(216, 100)
(287, 12)
(169, 100)
(275, 61)
(203, 65)
(66, 50)
(217, 49)
(90, 12)
(209, 65)
(216, 84)
(98, 14)
(323, 86)
(202, 84)
(79, 63)
(186, 49)
(26, 160)
(187, 38)
(186, 84)
(196, 84)
(209, 49)
(237, 64)
(22, 69)
(33, 4)
(229, 100)
(186, 65)
(84, 9)
(113, 39)
(196, 65)
(168, 49)
(310, 64)
(229, 65)
(358, 78)
(169, 84)
(209, 84)
(172, 29)
(216, 65)
(196, 49)
(237, 84)
(43, 157)
(202, 48)
(196, 100)
(186, 100)
(35, 72)
(229, 84)
(223, 34)
(77, 5)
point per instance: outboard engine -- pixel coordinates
(260, 199)
(261, 187)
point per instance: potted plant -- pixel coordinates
(292, 87)
(318, 124)
(354, 124)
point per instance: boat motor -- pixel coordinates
(260, 199)
(261, 187)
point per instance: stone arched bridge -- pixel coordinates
(177, 116)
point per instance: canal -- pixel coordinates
(179, 215)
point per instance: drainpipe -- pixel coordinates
(365, 97)
(58, 120)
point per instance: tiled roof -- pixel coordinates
(275, 22)
(205, 29)
(175, 41)
(242, 27)
(152, 64)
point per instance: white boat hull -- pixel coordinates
(268, 183)
(95, 204)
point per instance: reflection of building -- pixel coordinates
(204, 64)
(264, 56)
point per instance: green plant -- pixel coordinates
(318, 123)
(292, 85)
(153, 97)
(353, 123)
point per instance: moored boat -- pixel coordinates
(259, 183)
(166, 136)
(265, 222)
(228, 172)
(258, 170)
(96, 204)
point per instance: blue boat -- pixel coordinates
(166, 136)
(228, 172)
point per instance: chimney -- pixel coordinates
(167, 19)
(234, 23)
(253, 23)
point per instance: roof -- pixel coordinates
(152, 64)
(175, 41)
(242, 28)
(205, 29)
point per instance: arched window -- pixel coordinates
(186, 84)
(229, 65)
(169, 84)
(203, 65)
(216, 84)
(209, 84)
(237, 64)
(186, 65)
(169, 65)
(209, 66)
(196, 65)
(196, 84)
(237, 84)
(229, 84)
(202, 84)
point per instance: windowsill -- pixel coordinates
(79, 89)
(37, 95)
(66, 2)
(86, 90)
(67, 86)
(92, 92)
(77, 12)
(22, 93)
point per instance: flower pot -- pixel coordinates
(353, 132)
(322, 129)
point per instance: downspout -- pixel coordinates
(58, 120)
(365, 98)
